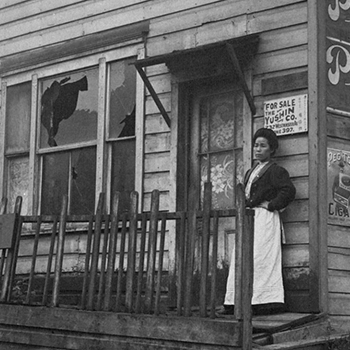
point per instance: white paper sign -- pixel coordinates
(286, 115)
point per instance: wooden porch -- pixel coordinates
(125, 297)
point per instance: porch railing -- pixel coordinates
(124, 258)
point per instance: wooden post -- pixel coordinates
(205, 249)
(214, 264)
(152, 251)
(244, 270)
(59, 251)
(240, 204)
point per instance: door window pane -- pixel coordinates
(220, 144)
(69, 106)
(18, 107)
(122, 99)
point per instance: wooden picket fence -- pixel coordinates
(136, 285)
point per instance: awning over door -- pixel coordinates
(207, 60)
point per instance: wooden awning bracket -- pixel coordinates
(246, 48)
(238, 70)
(153, 94)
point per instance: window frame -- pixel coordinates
(102, 143)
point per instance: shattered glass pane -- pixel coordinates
(122, 99)
(69, 105)
(18, 107)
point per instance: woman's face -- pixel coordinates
(262, 149)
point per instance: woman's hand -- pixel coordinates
(264, 205)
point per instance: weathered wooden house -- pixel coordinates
(142, 95)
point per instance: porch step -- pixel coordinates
(340, 341)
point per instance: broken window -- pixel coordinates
(69, 108)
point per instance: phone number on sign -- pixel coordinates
(280, 131)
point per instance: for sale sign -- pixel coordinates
(286, 115)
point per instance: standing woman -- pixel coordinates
(268, 190)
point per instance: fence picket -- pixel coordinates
(34, 257)
(111, 252)
(49, 261)
(130, 273)
(152, 246)
(121, 263)
(87, 262)
(59, 252)
(160, 264)
(95, 253)
(141, 262)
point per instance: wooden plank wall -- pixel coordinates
(279, 70)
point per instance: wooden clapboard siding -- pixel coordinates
(339, 304)
(338, 236)
(295, 256)
(296, 232)
(46, 29)
(157, 180)
(31, 8)
(8, 3)
(338, 126)
(157, 162)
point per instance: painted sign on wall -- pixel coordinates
(286, 115)
(338, 171)
(338, 54)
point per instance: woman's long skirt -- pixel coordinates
(267, 281)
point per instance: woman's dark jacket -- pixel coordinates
(273, 184)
